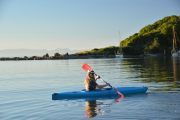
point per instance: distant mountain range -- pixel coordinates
(34, 52)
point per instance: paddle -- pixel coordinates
(87, 68)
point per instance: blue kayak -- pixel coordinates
(101, 93)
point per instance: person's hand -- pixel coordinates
(98, 77)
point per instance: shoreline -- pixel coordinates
(78, 56)
(62, 57)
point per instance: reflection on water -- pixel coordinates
(158, 70)
(176, 68)
(154, 68)
(91, 108)
(94, 108)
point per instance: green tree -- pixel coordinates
(153, 47)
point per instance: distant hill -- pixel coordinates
(154, 38)
(106, 51)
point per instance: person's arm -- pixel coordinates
(101, 86)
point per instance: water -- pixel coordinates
(26, 88)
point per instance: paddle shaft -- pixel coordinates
(106, 82)
(119, 93)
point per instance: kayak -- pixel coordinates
(100, 93)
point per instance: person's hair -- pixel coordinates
(91, 74)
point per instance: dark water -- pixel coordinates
(26, 88)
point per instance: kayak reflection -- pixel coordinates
(94, 108)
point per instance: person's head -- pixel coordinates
(91, 74)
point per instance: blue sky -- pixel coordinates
(76, 24)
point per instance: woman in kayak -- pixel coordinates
(90, 81)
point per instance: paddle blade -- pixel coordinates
(86, 67)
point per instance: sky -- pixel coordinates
(76, 24)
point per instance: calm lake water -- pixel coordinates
(26, 88)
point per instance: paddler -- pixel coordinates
(90, 81)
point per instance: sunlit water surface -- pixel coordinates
(26, 88)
